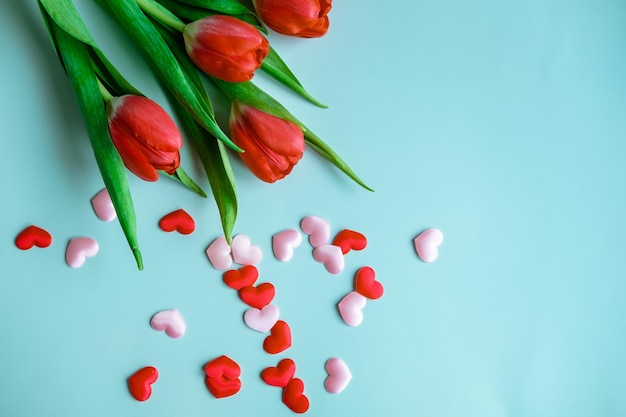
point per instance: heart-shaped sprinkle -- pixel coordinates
(244, 253)
(427, 243)
(103, 206)
(240, 278)
(349, 240)
(283, 244)
(317, 228)
(222, 377)
(259, 296)
(331, 256)
(293, 396)
(33, 236)
(279, 339)
(338, 375)
(169, 321)
(365, 283)
(178, 220)
(279, 375)
(350, 308)
(140, 383)
(218, 253)
(261, 320)
(79, 249)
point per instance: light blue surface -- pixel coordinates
(500, 122)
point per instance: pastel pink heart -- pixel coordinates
(261, 320)
(169, 321)
(331, 256)
(283, 244)
(339, 375)
(427, 244)
(103, 206)
(318, 230)
(351, 308)
(79, 249)
(245, 253)
(218, 253)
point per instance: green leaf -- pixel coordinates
(221, 6)
(110, 76)
(66, 16)
(191, 13)
(181, 176)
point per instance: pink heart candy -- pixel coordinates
(261, 320)
(103, 206)
(218, 253)
(244, 253)
(350, 308)
(318, 230)
(79, 249)
(284, 242)
(331, 256)
(338, 375)
(426, 244)
(169, 321)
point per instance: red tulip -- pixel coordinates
(272, 146)
(225, 47)
(144, 134)
(302, 18)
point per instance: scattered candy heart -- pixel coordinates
(350, 240)
(79, 249)
(103, 206)
(279, 375)
(222, 377)
(178, 220)
(259, 296)
(218, 253)
(279, 339)
(318, 230)
(365, 283)
(331, 256)
(244, 253)
(140, 383)
(261, 320)
(350, 308)
(283, 244)
(243, 277)
(169, 321)
(293, 396)
(426, 244)
(33, 236)
(338, 375)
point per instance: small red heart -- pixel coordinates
(365, 283)
(259, 296)
(179, 221)
(349, 239)
(294, 398)
(222, 377)
(33, 236)
(140, 383)
(279, 339)
(279, 375)
(240, 278)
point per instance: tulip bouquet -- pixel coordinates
(188, 43)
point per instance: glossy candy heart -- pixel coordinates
(339, 375)
(261, 320)
(331, 256)
(279, 375)
(103, 206)
(365, 283)
(240, 278)
(33, 236)
(279, 339)
(349, 240)
(318, 230)
(140, 383)
(169, 321)
(244, 253)
(259, 296)
(222, 377)
(350, 308)
(283, 244)
(427, 244)
(179, 221)
(79, 249)
(219, 255)
(293, 396)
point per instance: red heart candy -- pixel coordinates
(365, 283)
(179, 221)
(33, 236)
(349, 239)
(140, 383)
(259, 296)
(279, 339)
(240, 278)
(279, 375)
(222, 377)
(294, 398)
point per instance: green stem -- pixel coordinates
(106, 95)
(161, 14)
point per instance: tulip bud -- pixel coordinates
(302, 18)
(272, 146)
(144, 134)
(225, 47)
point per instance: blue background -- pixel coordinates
(500, 122)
